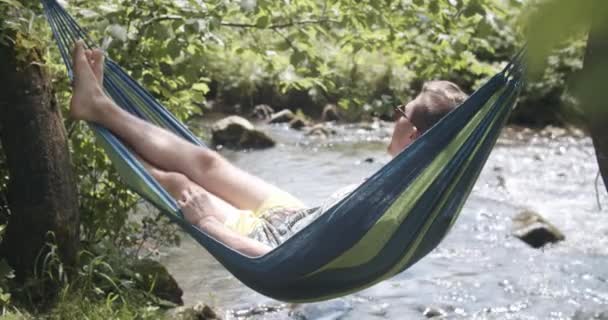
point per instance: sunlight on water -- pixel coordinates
(480, 271)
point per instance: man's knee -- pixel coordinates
(177, 179)
(174, 182)
(207, 159)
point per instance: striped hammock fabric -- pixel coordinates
(391, 221)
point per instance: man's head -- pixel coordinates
(436, 100)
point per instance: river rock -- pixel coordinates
(577, 132)
(262, 112)
(298, 123)
(200, 311)
(371, 125)
(533, 229)
(553, 132)
(257, 311)
(321, 131)
(154, 275)
(330, 113)
(590, 315)
(434, 312)
(282, 116)
(237, 132)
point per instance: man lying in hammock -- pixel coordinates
(241, 210)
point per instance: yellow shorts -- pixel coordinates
(246, 222)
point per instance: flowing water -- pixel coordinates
(480, 271)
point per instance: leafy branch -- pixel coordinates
(279, 25)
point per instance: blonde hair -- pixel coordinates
(435, 100)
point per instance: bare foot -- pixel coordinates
(88, 94)
(96, 60)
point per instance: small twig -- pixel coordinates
(165, 17)
(324, 11)
(130, 21)
(141, 29)
(278, 25)
(597, 191)
(289, 42)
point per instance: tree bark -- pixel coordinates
(594, 95)
(42, 194)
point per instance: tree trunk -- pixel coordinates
(594, 96)
(42, 193)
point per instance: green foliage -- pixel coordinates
(158, 41)
(366, 56)
(113, 234)
(106, 287)
(546, 29)
(103, 286)
(546, 97)
(75, 305)
(556, 51)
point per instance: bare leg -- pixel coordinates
(199, 209)
(162, 148)
(178, 185)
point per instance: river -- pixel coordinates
(480, 271)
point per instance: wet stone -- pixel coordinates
(200, 311)
(590, 315)
(238, 133)
(154, 275)
(370, 126)
(434, 312)
(333, 309)
(330, 113)
(321, 131)
(298, 123)
(262, 112)
(261, 310)
(577, 133)
(533, 229)
(282, 116)
(553, 132)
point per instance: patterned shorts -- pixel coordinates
(273, 222)
(280, 216)
(280, 223)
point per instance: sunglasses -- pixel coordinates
(401, 109)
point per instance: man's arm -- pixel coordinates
(244, 245)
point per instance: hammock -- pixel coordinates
(391, 221)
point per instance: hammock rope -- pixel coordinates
(391, 221)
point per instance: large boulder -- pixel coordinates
(238, 133)
(533, 229)
(153, 275)
(282, 116)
